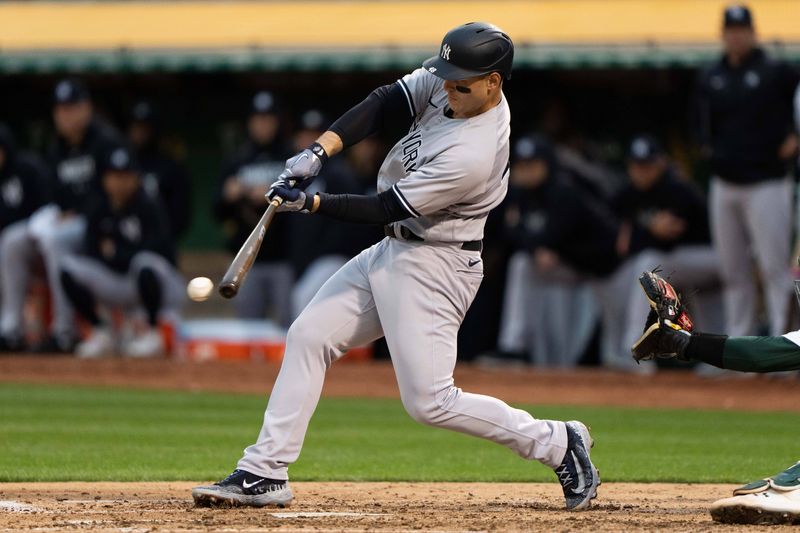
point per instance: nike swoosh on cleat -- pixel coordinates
(581, 478)
(247, 485)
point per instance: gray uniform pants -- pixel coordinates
(314, 277)
(612, 294)
(416, 294)
(267, 292)
(753, 221)
(20, 245)
(549, 315)
(120, 289)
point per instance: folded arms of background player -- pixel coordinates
(390, 104)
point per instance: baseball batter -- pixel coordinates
(436, 188)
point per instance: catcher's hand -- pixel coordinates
(666, 313)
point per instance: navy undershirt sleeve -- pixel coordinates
(383, 208)
(385, 105)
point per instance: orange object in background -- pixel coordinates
(239, 340)
(219, 350)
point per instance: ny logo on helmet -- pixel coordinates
(446, 52)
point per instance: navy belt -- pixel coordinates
(407, 234)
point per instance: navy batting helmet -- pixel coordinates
(472, 49)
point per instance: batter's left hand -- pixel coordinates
(293, 198)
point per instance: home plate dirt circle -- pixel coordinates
(340, 506)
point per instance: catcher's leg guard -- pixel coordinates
(789, 479)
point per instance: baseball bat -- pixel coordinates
(240, 266)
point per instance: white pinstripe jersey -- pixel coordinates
(447, 173)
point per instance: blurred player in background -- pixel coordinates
(665, 223)
(24, 187)
(245, 178)
(56, 229)
(744, 120)
(126, 262)
(549, 313)
(163, 178)
(336, 241)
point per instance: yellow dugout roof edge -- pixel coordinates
(351, 24)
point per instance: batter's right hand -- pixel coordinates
(305, 165)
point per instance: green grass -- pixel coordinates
(61, 433)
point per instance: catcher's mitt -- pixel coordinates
(664, 300)
(668, 326)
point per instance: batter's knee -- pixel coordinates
(424, 412)
(427, 409)
(304, 336)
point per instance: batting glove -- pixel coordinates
(304, 166)
(293, 199)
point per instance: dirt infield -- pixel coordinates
(376, 380)
(320, 507)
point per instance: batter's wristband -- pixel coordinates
(319, 151)
(308, 204)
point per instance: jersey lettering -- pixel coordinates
(77, 170)
(411, 146)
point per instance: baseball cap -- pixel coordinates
(121, 159)
(263, 102)
(143, 111)
(70, 91)
(738, 15)
(644, 148)
(532, 147)
(313, 119)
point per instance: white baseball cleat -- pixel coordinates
(772, 506)
(775, 500)
(146, 344)
(99, 343)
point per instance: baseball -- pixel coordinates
(199, 289)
